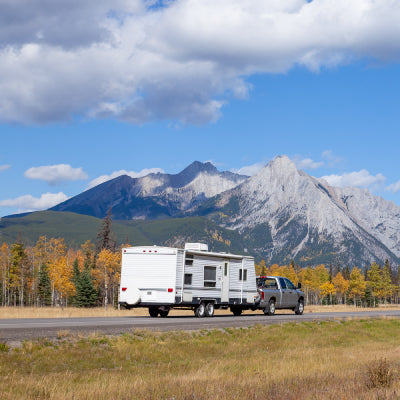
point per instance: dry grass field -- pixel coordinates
(70, 312)
(327, 360)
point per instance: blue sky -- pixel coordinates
(234, 82)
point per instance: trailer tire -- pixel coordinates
(164, 313)
(209, 311)
(200, 311)
(236, 311)
(153, 312)
(299, 308)
(270, 309)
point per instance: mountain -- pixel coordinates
(280, 213)
(153, 196)
(289, 214)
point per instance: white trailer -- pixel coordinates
(162, 278)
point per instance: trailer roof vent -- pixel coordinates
(196, 246)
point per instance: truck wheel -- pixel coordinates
(153, 312)
(164, 313)
(200, 311)
(299, 308)
(209, 311)
(236, 311)
(270, 309)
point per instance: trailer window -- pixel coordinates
(210, 276)
(188, 280)
(242, 274)
(189, 260)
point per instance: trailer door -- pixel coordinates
(225, 283)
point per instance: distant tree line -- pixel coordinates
(375, 284)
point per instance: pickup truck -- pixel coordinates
(276, 292)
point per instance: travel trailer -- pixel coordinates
(162, 278)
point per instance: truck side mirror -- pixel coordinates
(299, 286)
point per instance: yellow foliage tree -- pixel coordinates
(107, 274)
(341, 286)
(357, 284)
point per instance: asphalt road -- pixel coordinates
(17, 330)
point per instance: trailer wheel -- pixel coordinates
(153, 312)
(300, 307)
(164, 313)
(200, 311)
(209, 311)
(270, 309)
(236, 311)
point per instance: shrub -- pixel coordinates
(379, 374)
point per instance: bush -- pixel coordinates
(379, 374)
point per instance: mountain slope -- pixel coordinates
(153, 196)
(297, 216)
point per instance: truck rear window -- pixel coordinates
(267, 283)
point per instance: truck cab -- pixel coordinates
(277, 292)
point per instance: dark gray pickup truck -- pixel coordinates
(276, 292)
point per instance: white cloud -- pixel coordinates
(394, 187)
(307, 163)
(181, 62)
(29, 203)
(331, 158)
(56, 174)
(4, 167)
(115, 174)
(249, 170)
(359, 179)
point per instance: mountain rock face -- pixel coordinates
(281, 213)
(153, 196)
(289, 214)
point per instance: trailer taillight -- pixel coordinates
(170, 290)
(124, 288)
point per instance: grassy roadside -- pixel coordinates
(73, 312)
(328, 360)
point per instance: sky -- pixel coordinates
(92, 90)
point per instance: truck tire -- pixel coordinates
(236, 311)
(299, 308)
(209, 311)
(164, 313)
(270, 309)
(153, 312)
(200, 311)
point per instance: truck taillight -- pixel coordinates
(124, 288)
(262, 294)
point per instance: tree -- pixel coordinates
(375, 280)
(327, 289)
(18, 272)
(357, 284)
(107, 274)
(341, 286)
(105, 236)
(44, 286)
(85, 293)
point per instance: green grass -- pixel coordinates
(329, 360)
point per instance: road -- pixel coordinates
(16, 330)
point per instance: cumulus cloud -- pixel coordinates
(56, 174)
(4, 167)
(359, 179)
(181, 61)
(249, 170)
(29, 203)
(132, 174)
(307, 163)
